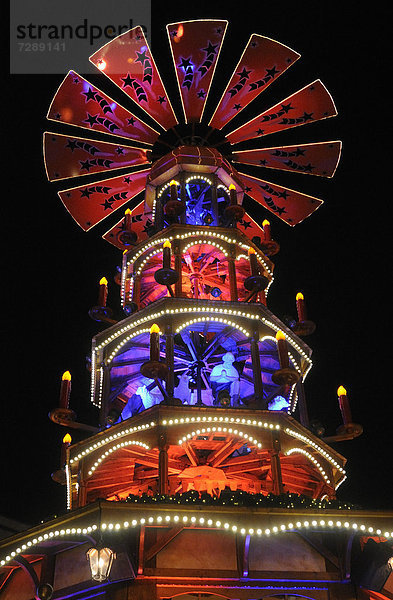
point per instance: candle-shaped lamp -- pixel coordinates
(253, 262)
(266, 230)
(232, 194)
(103, 292)
(127, 220)
(282, 350)
(301, 308)
(65, 390)
(154, 343)
(344, 405)
(66, 443)
(166, 255)
(173, 187)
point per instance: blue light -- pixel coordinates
(216, 292)
(278, 403)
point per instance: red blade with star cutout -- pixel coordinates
(77, 102)
(67, 156)
(311, 103)
(195, 47)
(261, 63)
(128, 62)
(313, 159)
(90, 204)
(289, 205)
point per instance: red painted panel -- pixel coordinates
(313, 159)
(290, 206)
(195, 49)
(78, 102)
(128, 62)
(89, 204)
(261, 63)
(310, 104)
(67, 156)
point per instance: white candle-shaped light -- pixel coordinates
(266, 230)
(232, 194)
(65, 389)
(173, 187)
(282, 349)
(103, 292)
(253, 261)
(166, 254)
(301, 308)
(344, 405)
(66, 443)
(154, 343)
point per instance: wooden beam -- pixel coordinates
(191, 454)
(320, 548)
(163, 541)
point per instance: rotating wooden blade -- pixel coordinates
(261, 63)
(195, 47)
(92, 203)
(67, 156)
(312, 159)
(77, 102)
(289, 205)
(311, 103)
(128, 62)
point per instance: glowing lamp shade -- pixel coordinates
(101, 560)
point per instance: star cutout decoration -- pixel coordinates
(127, 81)
(90, 95)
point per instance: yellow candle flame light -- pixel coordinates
(103, 281)
(67, 439)
(265, 223)
(167, 244)
(232, 187)
(66, 376)
(127, 212)
(173, 182)
(154, 328)
(341, 391)
(299, 296)
(251, 251)
(280, 335)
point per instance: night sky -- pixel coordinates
(339, 257)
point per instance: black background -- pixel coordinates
(339, 257)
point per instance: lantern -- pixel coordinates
(100, 560)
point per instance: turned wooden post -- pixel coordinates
(256, 369)
(232, 274)
(170, 360)
(163, 483)
(276, 464)
(178, 267)
(301, 399)
(136, 291)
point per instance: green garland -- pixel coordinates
(240, 498)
